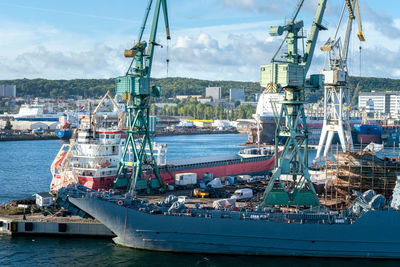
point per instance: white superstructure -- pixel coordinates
(36, 112)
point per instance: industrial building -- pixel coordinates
(181, 97)
(214, 93)
(380, 102)
(30, 125)
(236, 94)
(8, 90)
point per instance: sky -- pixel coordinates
(210, 39)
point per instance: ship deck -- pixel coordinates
(187, 161)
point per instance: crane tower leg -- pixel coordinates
(290, 183)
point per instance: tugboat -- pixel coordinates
(91, 158)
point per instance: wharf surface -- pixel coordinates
(53, 226)
(25, 137)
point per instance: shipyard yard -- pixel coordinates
(287, 153)
(61, 250)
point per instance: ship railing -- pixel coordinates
(324, 218)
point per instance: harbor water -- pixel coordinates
(25, 170)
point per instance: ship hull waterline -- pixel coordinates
(374, 235)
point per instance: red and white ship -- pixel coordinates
(93, 162)
(92, 159)
(93, 155)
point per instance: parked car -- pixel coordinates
(38, 131)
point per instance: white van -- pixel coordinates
(183, 199)
(243, 194)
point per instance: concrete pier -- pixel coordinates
(40, 225)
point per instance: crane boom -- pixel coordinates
(146, 15)
(358, 17)
(345, 50)
(312, 38)
(152, 43)
(353, 8)
(140, 46)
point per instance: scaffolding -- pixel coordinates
(360, 171)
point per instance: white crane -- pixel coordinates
(336, 90)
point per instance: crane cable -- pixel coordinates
(167, 60)
(360, 57)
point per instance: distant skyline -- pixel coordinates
(211, 39)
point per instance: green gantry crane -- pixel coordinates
(136, 164)
(290, 183)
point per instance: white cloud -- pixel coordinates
(281, 8)
(220, 52)
(99, 62)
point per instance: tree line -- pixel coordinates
(202, 111)
(94, 88)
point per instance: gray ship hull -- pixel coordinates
(267, 133)
(374, 235)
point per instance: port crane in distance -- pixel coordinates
(136, 163)
(290, 183)
(336, 89)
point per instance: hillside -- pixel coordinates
(62, 89)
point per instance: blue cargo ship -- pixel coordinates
(367, 133)
(66, 125)
(64, 133)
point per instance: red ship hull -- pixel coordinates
(230, 169)
(249, 166)
(368, 138)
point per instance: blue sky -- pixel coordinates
(211, 39)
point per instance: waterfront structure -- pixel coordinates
(214, 93)
(8, 90)
(236, 94)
